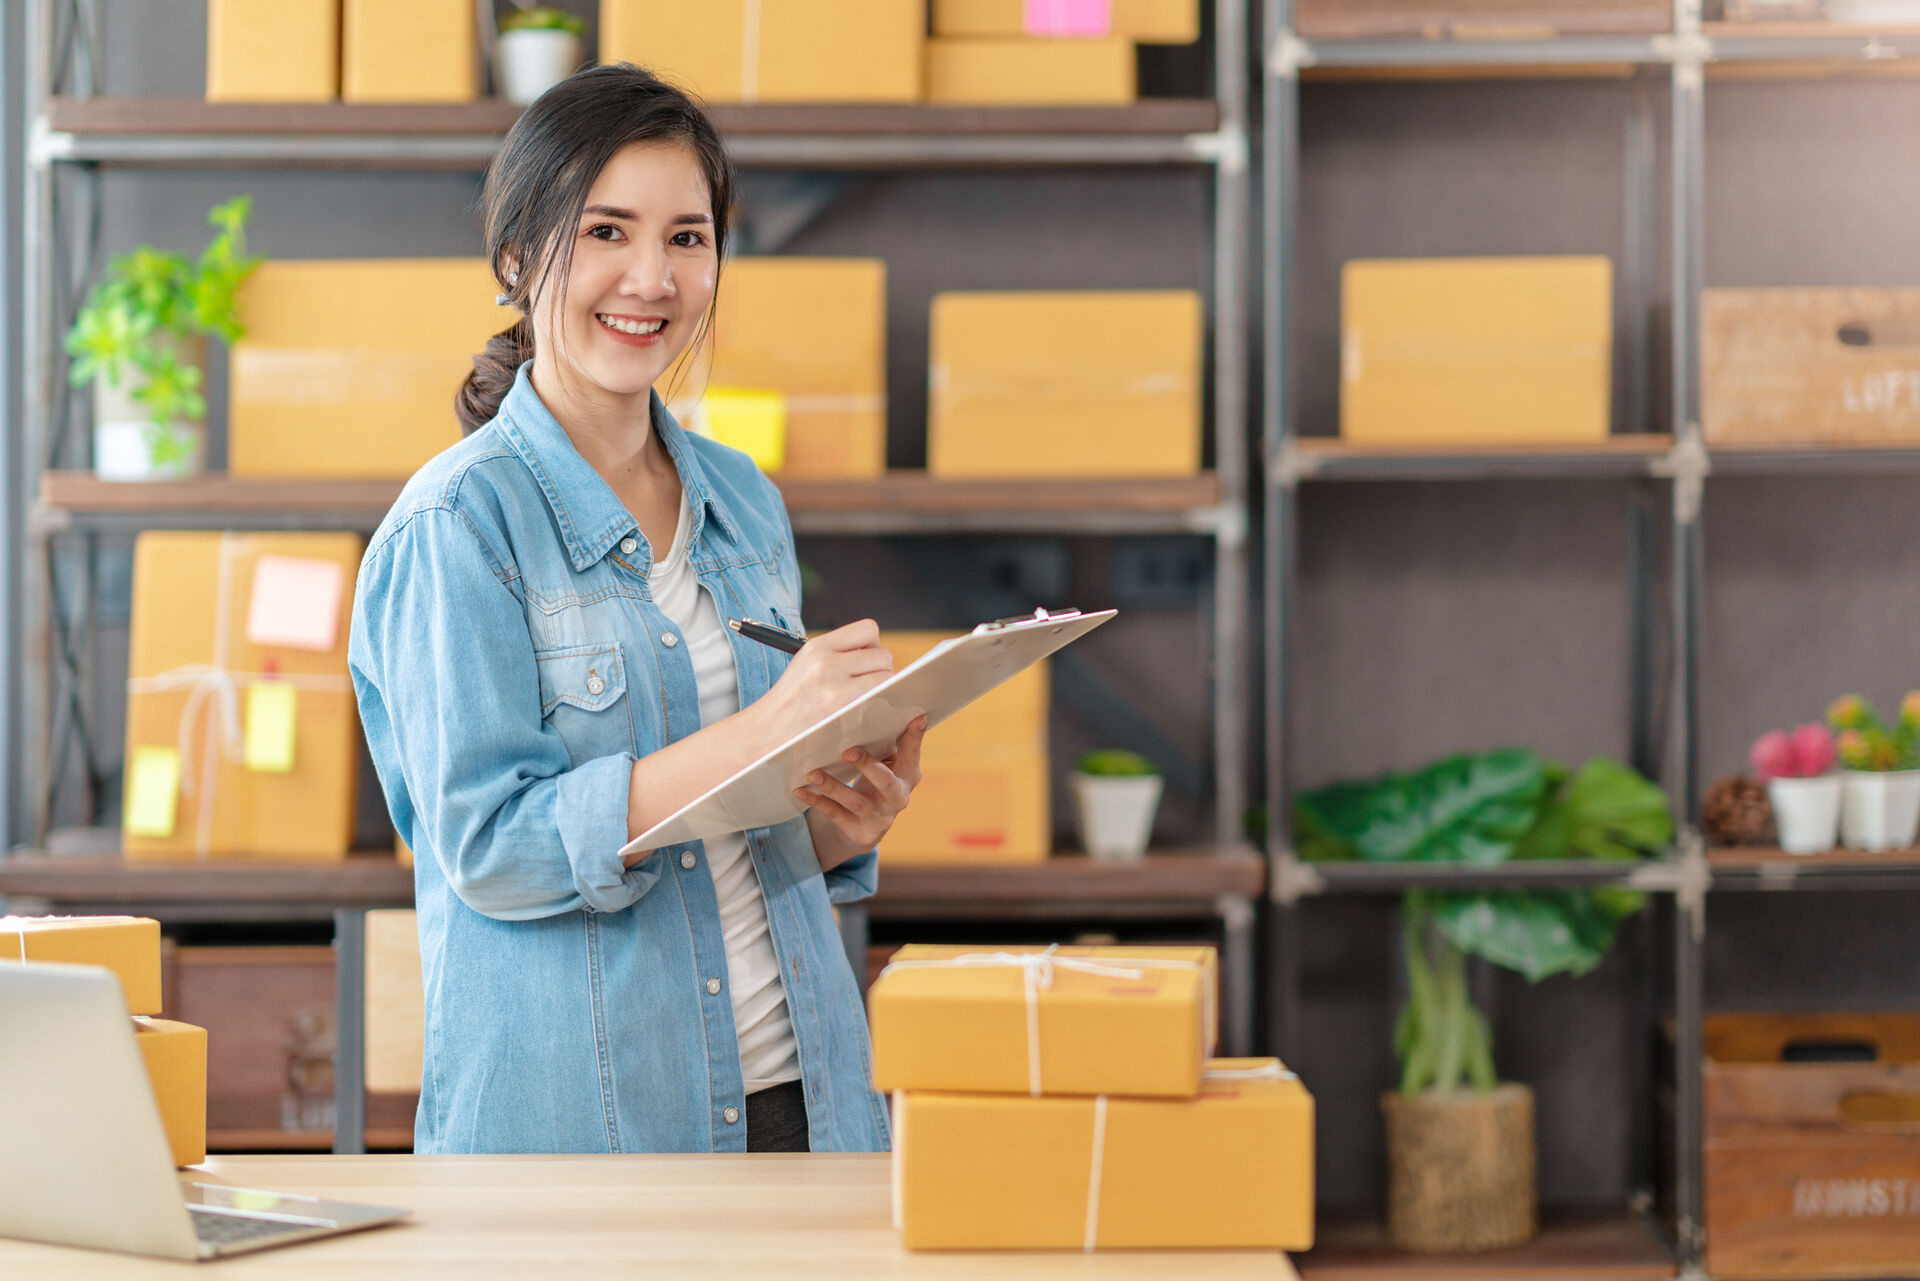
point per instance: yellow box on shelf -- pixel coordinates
(984, 792)
(1038, 1022)
(750, 419)
(273, 50)
(127, 945)
(773, 50)
(215, 616)
(349, 366)
(1096, 71)
(176, 1059)
(815, 331)
(1084, 383)
(1476, 351)
(1144, 21)
(1230, 1168)
(409, 51)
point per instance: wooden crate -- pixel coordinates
(1478, 19)
(1812, 1168)
(1804, 366)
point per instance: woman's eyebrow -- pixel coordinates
(611, 211)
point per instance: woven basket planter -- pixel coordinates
(1460, 1170)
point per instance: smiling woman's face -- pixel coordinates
(643, 274)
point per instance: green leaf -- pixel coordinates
(1534, 932)
(1463, 809)
(1615, 813)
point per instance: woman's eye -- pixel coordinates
(604, 231)
(688, 240)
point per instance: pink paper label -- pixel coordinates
(296, 603)
(1069, 17)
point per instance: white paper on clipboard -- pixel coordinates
(940, 682)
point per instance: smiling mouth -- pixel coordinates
(636, 328)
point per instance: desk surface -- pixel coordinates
(651, 1217)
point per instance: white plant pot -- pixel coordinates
(528, 63)
(1880, 810)
(125, 436)
(1116, 813)
(1806, 812)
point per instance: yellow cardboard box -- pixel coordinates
(199, 651)
(1093, 71)
(1474, 351)
(1231, 1168)
(984, 789)
(273, 50)
(349, 367)
(1022, 1023)
(395, 1003)
(127, 945)
(1145, 21)
(176, 1058)
(773, 50)
(1205, 959)
(1089, 383)
(815, 330)
(409, 51)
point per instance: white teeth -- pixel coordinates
(631, 326)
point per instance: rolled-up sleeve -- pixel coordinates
(855, 879)
(449, 694)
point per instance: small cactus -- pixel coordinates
(1808, 752)
(1865, 742)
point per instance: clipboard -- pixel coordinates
(939, 683)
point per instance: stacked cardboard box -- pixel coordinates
(360, 50)
(1063, 1098)
(129, 946)
(1048, 52)
(773, 50)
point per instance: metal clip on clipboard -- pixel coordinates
(1037, 616)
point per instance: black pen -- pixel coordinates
(785, 642)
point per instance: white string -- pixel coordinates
(1094, 1169)
(750, 52)
(899, 1160)
(1268, 1071)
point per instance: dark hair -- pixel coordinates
(537, 187)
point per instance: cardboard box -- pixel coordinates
(409, 51)
(1231, 1168)
(395, 1009)
(202, 657)
(815, 330)
(176, 1058)
(1802, 366)
(1476, 351)
(1143, 21)
(1101, 1026)
(273, 50)
(1477, 19)
(349, 367)
(1098, 71)
(790, 51)
(1204, 958)
(1093, 383)
(984, 788)
(127, 945)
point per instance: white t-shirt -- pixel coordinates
(768, 1052)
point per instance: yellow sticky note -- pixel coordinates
(153, 791)
(752, 421)
(270, 722)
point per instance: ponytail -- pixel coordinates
(479, 397)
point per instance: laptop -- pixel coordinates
(74, 1094)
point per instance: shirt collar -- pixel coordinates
(590, 517)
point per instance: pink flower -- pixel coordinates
(1772, 755)
(1806, 753)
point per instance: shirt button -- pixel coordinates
(629, 545)
(669, 640)
(595, 685)
(687, 860)
(713, 987)
(732, 1115)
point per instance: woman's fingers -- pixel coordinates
(905, 760)
(886, 784)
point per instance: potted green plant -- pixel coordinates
(1460, 1142)
(1115, 794)
(1802, 788)
(141, 340)
(539, 46)
(1880, 802)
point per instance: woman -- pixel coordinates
(544, 673)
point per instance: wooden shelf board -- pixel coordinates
(1333, 449)
(1591, 1247)
(1164, 876)
(122, 115)
(1812, 447)
(1800, 31)
(230, 1141)
(1765, 858)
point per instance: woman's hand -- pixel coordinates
(830, 671)
(850, 818)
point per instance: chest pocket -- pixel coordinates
(583, 696)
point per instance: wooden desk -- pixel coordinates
(649, 1217)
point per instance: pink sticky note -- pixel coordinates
(296, 602)
(1069, 17)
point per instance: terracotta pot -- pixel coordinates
(1460, 1170)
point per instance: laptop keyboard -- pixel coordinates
(214, 1228)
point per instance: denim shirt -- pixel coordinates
(510, 665)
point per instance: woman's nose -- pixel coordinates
(650, 275)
